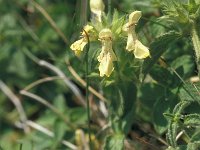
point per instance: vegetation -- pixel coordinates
(91, 75)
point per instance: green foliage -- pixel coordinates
(157, 48)
(190, 92)
(114, 142)
(158, 96)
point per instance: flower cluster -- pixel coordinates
(105, 36)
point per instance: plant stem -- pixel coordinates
(83, 13)
(83, 83)
(87, 89)
(109, 8)
(196, 44)
(46, 131)
(50, 20)
(17, 102)
(50, 106)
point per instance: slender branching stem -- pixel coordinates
(83, 82)
(59, 73)
(50, 106)
(16, 101)
(40, 81)
(50, 20)
(46, 131)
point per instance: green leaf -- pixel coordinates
(78, 115)
(117, 23)
(190, 92)
(186, 62)
(59, 130)
(26, 144)
(18, 64)
(93, 53)
(158, 47)
(60, 103)
(192, 2)
(193, 146)
(163, 105)
(150, 93)
(162, 76)
(180, 107)
(114, 142)
(192, 120)
(128, 92)
(196, 136)
(174, 123)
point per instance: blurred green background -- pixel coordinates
(26, 33)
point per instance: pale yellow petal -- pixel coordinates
(97, 8)
(87, 29)
(106, 65)
(78, 46)
(130, 46)
(130, 29)
(105, 34)
(125, 27)
(134, 17)
(140, 51)
(106, 59)
(107, 56)
(97, 5)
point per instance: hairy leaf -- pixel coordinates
(158, 47)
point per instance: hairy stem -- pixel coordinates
(196, 44)
(109, 8)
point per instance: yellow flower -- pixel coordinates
(79, 45)
(140, 51)
(97, 8)
(134, 17)
(87, 29)
(133, 44)
(107, 56)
